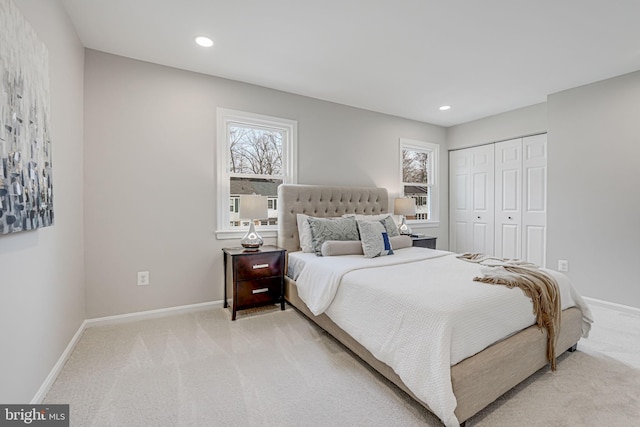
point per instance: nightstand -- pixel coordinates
(254, 278)
(424, 242)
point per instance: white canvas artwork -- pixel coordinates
(26, 188)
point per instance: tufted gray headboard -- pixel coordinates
(323, 201)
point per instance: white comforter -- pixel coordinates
(419, 311)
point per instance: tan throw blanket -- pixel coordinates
(540, 287)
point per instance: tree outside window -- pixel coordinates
(255, 151)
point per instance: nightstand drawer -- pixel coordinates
(258, 266)
(254, 292)
(424, 242)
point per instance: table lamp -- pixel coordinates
(252, 207)
(404, 206)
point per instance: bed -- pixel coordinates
(474, 381)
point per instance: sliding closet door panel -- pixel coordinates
(508, 198)
(462, 214)
(534, 213)
(460, 201)
(471, 200)
(483, 209)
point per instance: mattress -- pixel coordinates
(418, 309)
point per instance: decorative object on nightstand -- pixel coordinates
(252, 207)
(404, 206)
(422, 241)
(254, 278)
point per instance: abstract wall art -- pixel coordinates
(26, 187)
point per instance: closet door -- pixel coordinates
(508, 176)
(534, 210)
(472, 199)
(482, 201)
(460, 201)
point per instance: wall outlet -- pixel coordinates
(143, 278)
(563, 265)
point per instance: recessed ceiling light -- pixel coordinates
(204, 41)
(445, 107)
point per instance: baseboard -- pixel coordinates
(613, 306)
(87, 323)
(55, 371)
(150, 314)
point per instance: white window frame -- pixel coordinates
(226, 118)
(433, 151)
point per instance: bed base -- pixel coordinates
(480, 379)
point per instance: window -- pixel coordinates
(418, 166)
(256, 154)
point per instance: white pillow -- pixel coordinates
(304, 233)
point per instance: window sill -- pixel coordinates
(229, 235)
(423, 224)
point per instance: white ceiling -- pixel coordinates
(399, 57)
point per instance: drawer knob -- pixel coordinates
(260, 291)
(257, 266)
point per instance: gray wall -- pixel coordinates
(150, 190)
(41, 283)
(594, 200)
(512, 124)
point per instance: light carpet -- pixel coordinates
(273, 368)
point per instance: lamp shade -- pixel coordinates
(253, 207)
(405, 206)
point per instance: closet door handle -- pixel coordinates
(510, 218)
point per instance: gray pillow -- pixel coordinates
(386, 219)
(323, 229)
(391, 226)
(375, 239)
